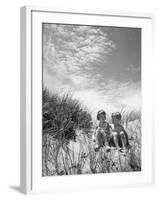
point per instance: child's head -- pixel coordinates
(116, 118)
(101, 115)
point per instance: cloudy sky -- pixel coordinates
(101, 66)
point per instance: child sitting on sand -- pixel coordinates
(100, 136)
(118, 136)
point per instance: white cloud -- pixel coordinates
(92, 99)
(132, 102)
(111, 99)
(70, 53)
(75, 45)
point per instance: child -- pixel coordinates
(118, 136)
(102, 131)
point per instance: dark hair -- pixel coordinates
(117, 115)
(101, 112)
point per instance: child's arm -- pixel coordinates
(125, 133)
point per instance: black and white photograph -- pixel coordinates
(91, 99)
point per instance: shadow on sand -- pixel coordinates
(15, 187)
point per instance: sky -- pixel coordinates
(101, 66)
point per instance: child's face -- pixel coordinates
(115, 120)
(101, 117)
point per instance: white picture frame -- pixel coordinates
(31, 83)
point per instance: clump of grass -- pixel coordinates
(62, 115)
